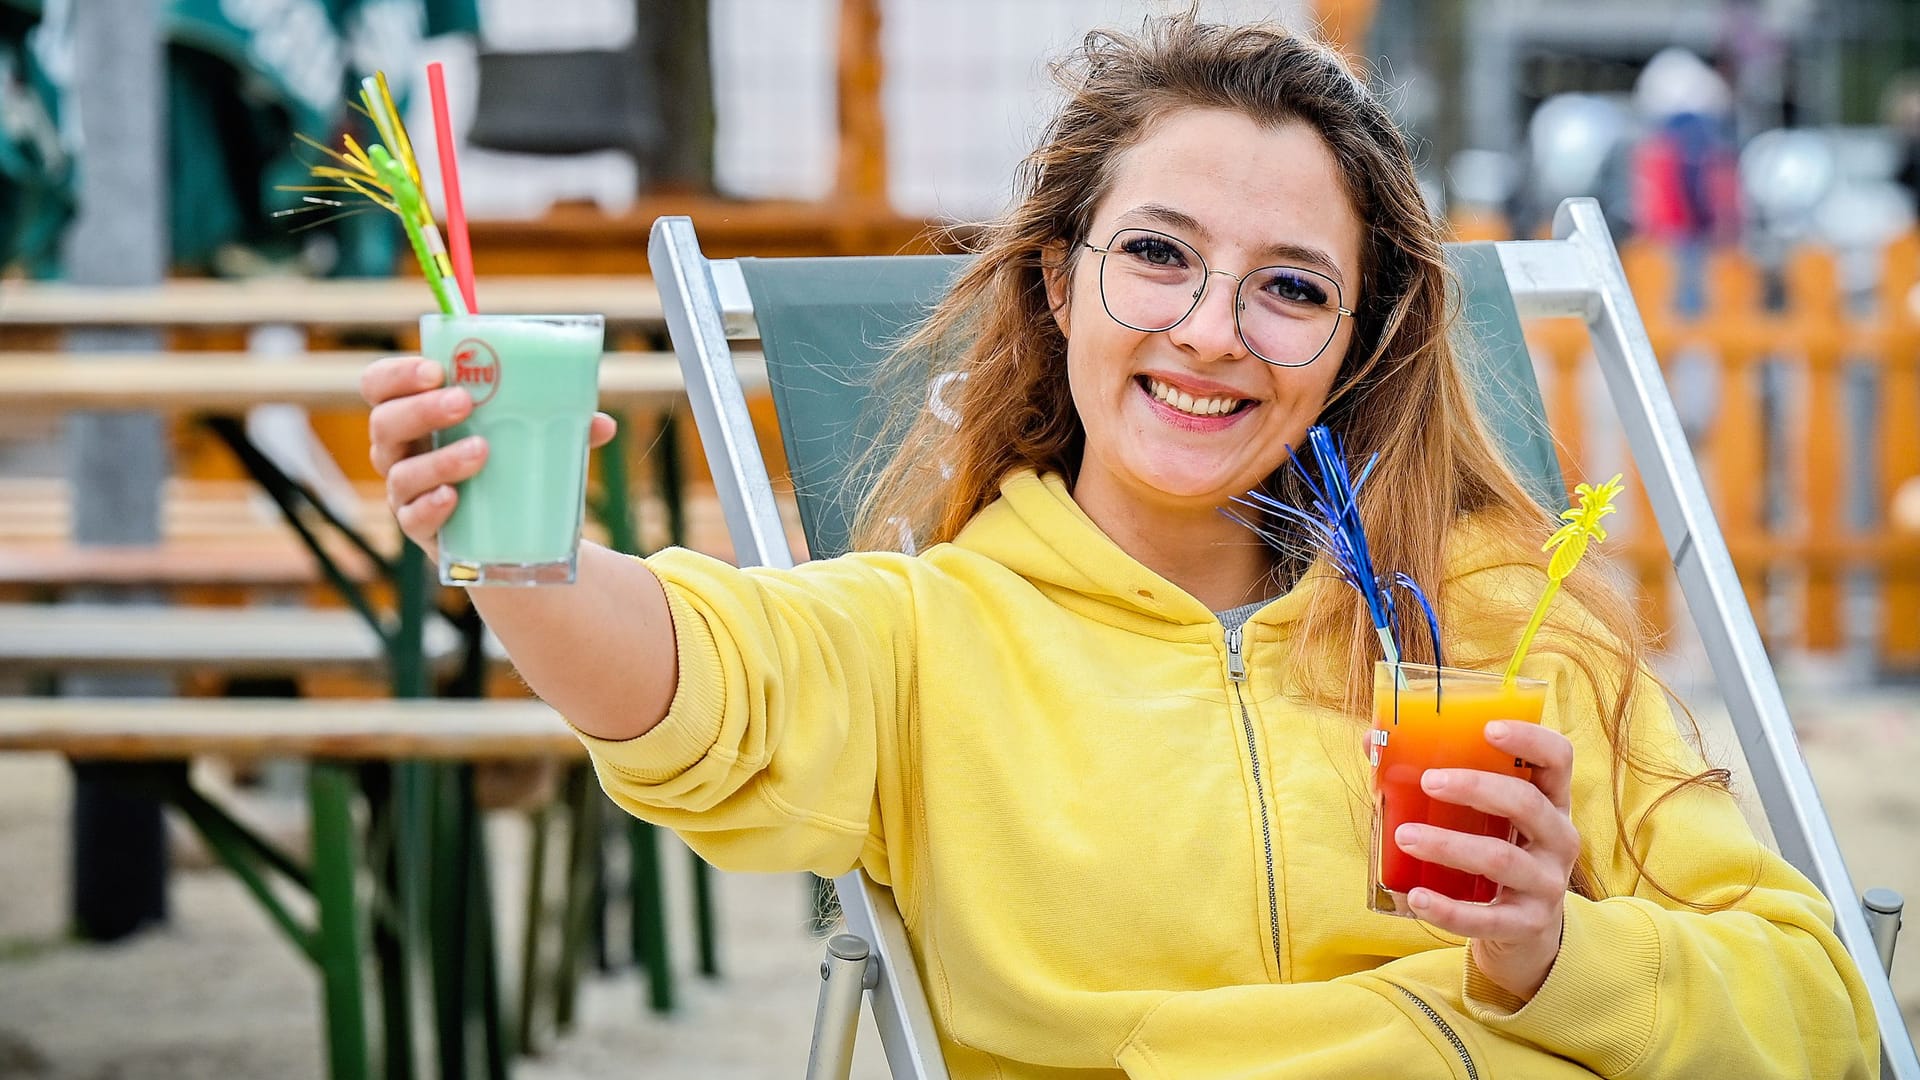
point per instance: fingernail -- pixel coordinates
(452, 398)
(426, 370)
(472, 446)
(1497, 729)
(443, 494)
(1406, 834)
(1419, 898)
(1433, 780)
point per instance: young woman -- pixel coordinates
(1104, 745)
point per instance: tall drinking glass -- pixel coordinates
(1437, 720)
(535, 383)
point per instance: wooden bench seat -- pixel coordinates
(250, 640)
(40, 509)
(266, 563)
(161, 729)
(273, 558)
(625, 300)
(232, 381)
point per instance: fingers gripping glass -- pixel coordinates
(1285, 315)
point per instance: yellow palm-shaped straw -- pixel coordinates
(1569, 545)
(388, 176)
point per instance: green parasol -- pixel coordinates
(36, 168)
(242, 79)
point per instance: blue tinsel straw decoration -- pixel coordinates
(1332, 527)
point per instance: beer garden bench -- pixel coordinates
(413, 756)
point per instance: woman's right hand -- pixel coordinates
(409, 406)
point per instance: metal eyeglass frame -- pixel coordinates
(1239, 305)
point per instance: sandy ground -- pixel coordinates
(217, 993)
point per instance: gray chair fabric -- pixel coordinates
(827, 325)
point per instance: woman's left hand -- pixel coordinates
(1514, 940)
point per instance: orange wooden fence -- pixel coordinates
(1795, 561)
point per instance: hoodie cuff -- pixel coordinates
(692, 723)
(1600, 1000)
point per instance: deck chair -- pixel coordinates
(823, 324)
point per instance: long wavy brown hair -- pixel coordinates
(1401, 391)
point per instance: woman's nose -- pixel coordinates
(1212, 330)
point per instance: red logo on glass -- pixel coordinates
(477, 367)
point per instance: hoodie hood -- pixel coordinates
(1037, 531)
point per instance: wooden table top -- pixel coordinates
(233, 381)
(366, 302)
(149, 729)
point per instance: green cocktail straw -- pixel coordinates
(418, 225)
(1568, 545)
(386, 175)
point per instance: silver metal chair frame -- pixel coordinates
(1577, 274)
(706, 304)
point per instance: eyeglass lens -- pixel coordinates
(1151, 281)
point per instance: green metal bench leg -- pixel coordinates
(466, 983)
(540, 821)
(599, 898)
(649, 914)
(449, 906)
(335, 865)
(672, 480)
(583, 848)
(703, 913)
(416, 844)
(390, 949)
(484, 1001)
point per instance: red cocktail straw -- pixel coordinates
(457, 245)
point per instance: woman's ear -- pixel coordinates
(1059, 278)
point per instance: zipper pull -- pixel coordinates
(1236, 665)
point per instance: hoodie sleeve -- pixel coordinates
(779, 747)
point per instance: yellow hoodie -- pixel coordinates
(1113, 858)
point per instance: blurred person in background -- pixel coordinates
(1685, 181)
(1902, 115)
(1686, 186)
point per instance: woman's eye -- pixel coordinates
(1157, 252)
(1296, 288)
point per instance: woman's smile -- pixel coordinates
(1190, 407)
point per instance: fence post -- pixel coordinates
(1899, 450)
(1736, 442)
(1818, 486)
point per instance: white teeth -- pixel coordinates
(1187, 403)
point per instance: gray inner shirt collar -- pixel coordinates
(1235, 618)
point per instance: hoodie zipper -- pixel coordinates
(1446, 1030)
(1237, 673)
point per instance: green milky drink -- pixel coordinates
(535, 383)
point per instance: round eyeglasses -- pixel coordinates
(1285, 315)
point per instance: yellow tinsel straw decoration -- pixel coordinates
(1569, 545)
(387, 175)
